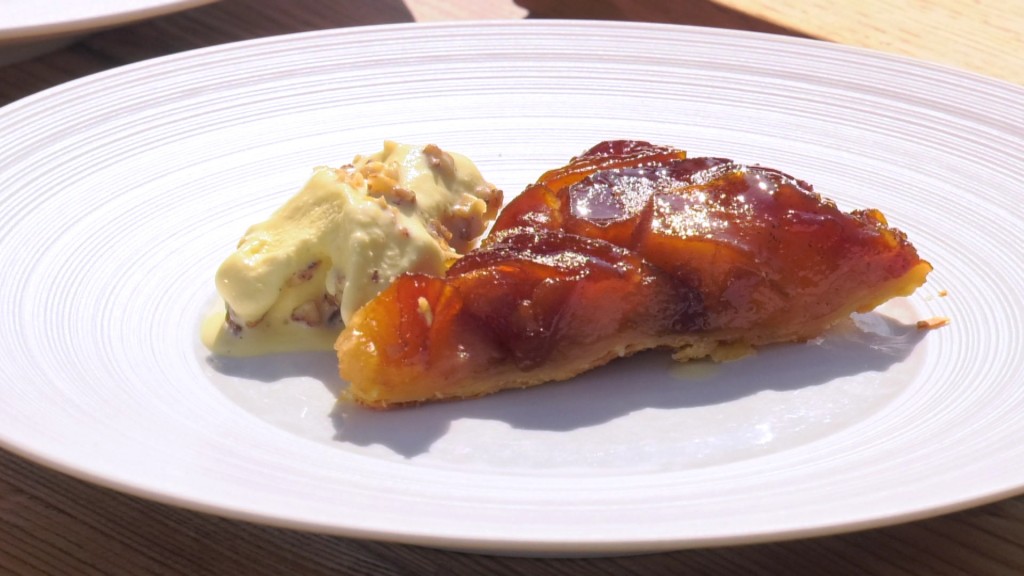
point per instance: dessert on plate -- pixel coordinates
(629, 246)
(295, 278)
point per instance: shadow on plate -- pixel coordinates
(321, 366)
(651, 380)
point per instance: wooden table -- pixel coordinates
(53, 524)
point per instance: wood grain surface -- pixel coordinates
(53, 524)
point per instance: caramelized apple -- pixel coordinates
(528, 304)
(629, 246)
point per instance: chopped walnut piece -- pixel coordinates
(308, 313)
(440, 160)
(304, 275)
(356, 179)
(379, 185)
(466, 222)
(932, 323)
(439, 231)
(233, 326)
(492, 196)
(382, 182)
(401, 195)
(330, 311)
(236, 324)
(316, 312)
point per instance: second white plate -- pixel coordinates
(29, 28)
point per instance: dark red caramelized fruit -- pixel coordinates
(629, 246)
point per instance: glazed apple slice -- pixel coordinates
(528, 308)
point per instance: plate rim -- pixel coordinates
(126, 13)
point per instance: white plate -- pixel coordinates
(30, 27)
(115, 217)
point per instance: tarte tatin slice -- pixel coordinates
(630, 246)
